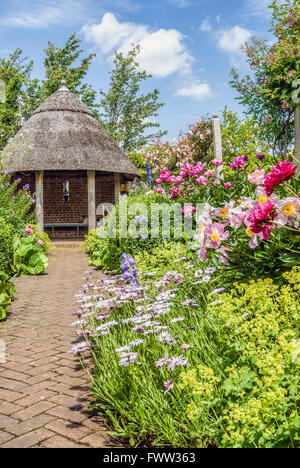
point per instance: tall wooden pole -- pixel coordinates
(117, 186)
(39, 189)
(297, 136)
(91, 200)
(217, 138)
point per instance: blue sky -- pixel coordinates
(189, 46)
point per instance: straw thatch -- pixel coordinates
(63, 134)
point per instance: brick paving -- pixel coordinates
(44, 394)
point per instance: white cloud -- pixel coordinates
(205, 25)
(45, 15)
(181, 3)
(196, 90)
(231, 40)
(162, 52)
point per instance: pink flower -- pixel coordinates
(216, 234)
(227, 185)
(209, 174)
(239, 162)
(208, 132)
(28, 230)
(288, 211)
(215, 182)
(40, 242)
(201, 180)
(169, 384)
(290, 73)
(175, 192)
(261, 217)
(283, 171)
(188, 210)
(216, 162)
(184, 347)
(257, 176)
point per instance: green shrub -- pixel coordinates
(43, 236)
(7, 291)
(29, 257)
(6, 246)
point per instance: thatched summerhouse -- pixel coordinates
(64, 155)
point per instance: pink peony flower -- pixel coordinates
(216, 234)
(261, 218)
(288, 211)
(28, 230)
(40, 242)
(282, 172)
(227, 185)
(239, 162)
(257, 176)
(201, 180)
(216, 162)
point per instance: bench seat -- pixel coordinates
(57, 225)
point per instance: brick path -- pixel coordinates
(43, 390)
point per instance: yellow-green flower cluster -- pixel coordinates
(254, 397)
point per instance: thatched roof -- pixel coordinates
(63, 134)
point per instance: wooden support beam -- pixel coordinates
(91, 200)
(217, 137)
(117, 186)
(39, 189)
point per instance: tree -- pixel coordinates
(15, 74)
(127, 114)
(268, 91)
(61, 64)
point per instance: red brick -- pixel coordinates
(33, 410)
(29, 439)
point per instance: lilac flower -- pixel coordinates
(128, 358)
(166, 337)
(217, 291)
(178, 319)
(163, 361)
(175, 361)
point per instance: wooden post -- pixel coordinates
(39, 189)
(297, 136)
(117, 186)
(217, 136)
(91, 200)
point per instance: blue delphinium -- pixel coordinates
(130, 271)
(148, 173)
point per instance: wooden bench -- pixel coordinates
(57, 225)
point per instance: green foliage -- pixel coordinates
(160, 259)
(29, 257)
(268, 91)
(108, 243)
(15, 73)
(127, 114)
(6, 246)
(7, 291)
(61, 63)
(15, 204)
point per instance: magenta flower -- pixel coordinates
(201, 180)
(261, 218)
(216, 162)
(260, 156)
(239, 162)
(40, 242)
(283, 171)
(169, 384)
(227, 185)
